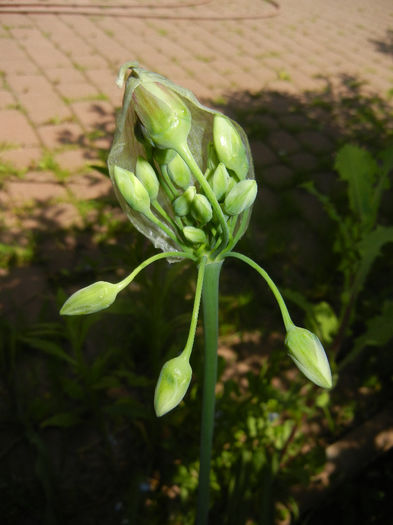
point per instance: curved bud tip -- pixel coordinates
(132, 190)
(90, 299)
(172, 385)
(240, 197)
(229, 146)
(165, 118)
(308, 354)
(146, 174)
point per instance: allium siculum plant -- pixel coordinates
(183, 174)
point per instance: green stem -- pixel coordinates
(210, 325)
(126, 281)
(188, 158)
(163, 227)
(168, 182)
(195, 311)
(284, 310)
(164, 214)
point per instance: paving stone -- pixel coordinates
(315, 141)
(42, 109)
(283, 143)
(18, 67)
(23, 288)
(262, 154)
(16, 129)
(55, 136)
(6, 99)
(94, 114)
(36, 186)
(22, 84)
(22, 158)
(77, 91)
(65, 75)
(89, 186)
(92, 61)
(278, 176)
(304, 162)
(61, 215)
(75, 159)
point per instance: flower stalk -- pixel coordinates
(184, 176)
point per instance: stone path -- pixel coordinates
(281, 70)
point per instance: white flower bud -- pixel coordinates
(241, 196)
(194, 235)
(132, 190)
(182, 204)
(165, 118)
(179, 172)
(309, 356)
(219, 181)
(146, 174)
(172, 384)
(92, 298)
(229, 146)
(201, 209)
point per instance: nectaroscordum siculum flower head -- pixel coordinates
(193, 162)
(183, 174)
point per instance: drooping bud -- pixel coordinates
(201, 209)
(146, 174)
(179, 172)
(194, 235)
(182, 205)
(229, 146)
(132, 190)
(92, 298)
(172, 384)
(165, 119)
(219, 181)
(309, 356)
(240, 197)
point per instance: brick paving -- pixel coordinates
(58, 97)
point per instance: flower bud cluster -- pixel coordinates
(182, 172)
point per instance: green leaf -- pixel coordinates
(330, 209)
(357, 167)
(49, 347)
(386, 157)
(320, 317)
(369, 249)
(379, 332)
(63, 420)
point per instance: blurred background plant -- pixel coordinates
(79, 442)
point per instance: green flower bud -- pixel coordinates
(309, 356)
(172, 385)
(90, 299)
(182, 204)
(179, 172)
(132, 190)
(164, 156)
(201, 209)
(240, 197)
(229, 146)
(165, 119)
(219, 181)
(146, 174)
(212, 159)
(194, 235)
